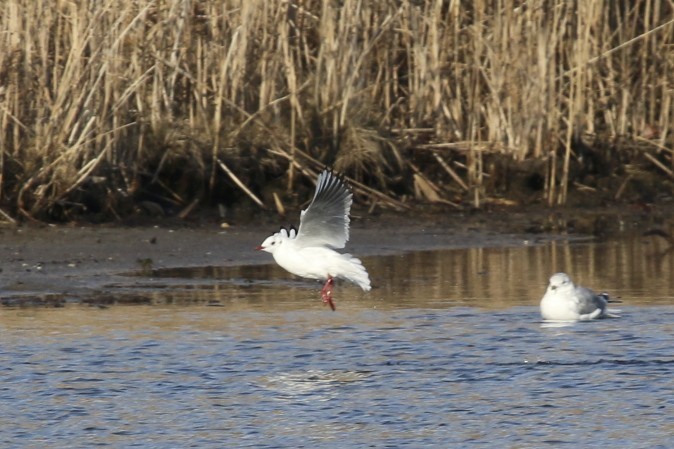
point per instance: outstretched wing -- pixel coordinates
(326, 221)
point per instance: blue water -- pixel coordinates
(422, 370)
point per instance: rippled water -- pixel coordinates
(448, 351)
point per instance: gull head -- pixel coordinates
(276, 240)
(559, 281)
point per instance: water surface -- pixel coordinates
(447, 351)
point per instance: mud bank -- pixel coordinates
(58, 264)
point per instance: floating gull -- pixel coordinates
(565, 301)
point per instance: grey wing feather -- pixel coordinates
(326, 221)
(588, 302)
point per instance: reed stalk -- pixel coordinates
(135, 96)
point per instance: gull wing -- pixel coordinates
(587, 302)
(326, 221)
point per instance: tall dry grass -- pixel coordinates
(182, 97)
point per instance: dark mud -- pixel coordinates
(102, 265)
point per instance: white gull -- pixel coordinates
(566, 301)
(324, 227)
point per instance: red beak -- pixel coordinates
(259, 248)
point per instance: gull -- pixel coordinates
(309, 251)
(565, 301)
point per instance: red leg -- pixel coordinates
(326, 293)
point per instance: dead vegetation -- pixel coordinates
(108, 105)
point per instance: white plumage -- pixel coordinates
(324, 227)
(565, 301)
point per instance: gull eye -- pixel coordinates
(273, 243)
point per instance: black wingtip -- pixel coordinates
(608, 298)
(335, 174)
(290, 231)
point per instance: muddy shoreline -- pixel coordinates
(57, 264)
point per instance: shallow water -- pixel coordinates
(447, 351)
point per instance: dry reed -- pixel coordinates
(151, 99)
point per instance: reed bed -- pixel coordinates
(106, 104)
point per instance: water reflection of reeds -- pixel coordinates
(635, 269)
(505, 276)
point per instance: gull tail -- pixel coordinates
(596, 313)
(610, 313)
(352, 270)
